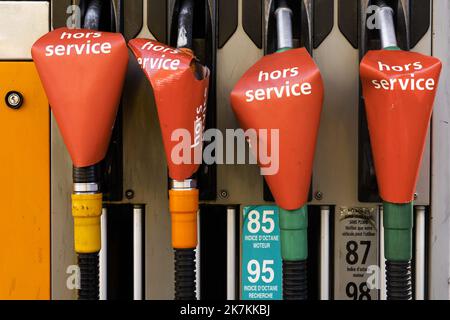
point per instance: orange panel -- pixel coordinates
(24, 186)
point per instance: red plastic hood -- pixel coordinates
(399, 88)
(283, 91)
(181, 102)
(83, 73)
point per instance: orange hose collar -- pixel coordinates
(183, 206)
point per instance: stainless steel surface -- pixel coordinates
(17, 37)
(439, 238)
(63, 255)
(187, 184)
(85, 188)
(243, 182)
(385, 16)
(284, 27)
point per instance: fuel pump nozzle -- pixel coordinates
(180, 85)
(293, 224)
(398, 105)
(397, 218)
(184, 195)
(295, 114)
(82, 72)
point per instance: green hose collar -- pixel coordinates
(398, 224)
(294, 234)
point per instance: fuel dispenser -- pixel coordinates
(284, 92)
(370, 192)
(182, 118)
(95, 64)
(399, 88)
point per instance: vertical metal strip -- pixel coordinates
(138, 212)
(420, 254)
(324, 253)
(382, 282)
(231, 254)
(197, 258)
(103, 265)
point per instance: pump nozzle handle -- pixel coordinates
(93, 15)
(385, 22)
(284, 25)
(185, 24)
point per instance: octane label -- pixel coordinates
(261, 258)
(357, 254)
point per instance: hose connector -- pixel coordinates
(398, 227)
(86, 211)
(183, 205)
(294, 234)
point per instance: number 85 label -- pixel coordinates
(255, 223)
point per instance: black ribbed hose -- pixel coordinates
(185, 285)
(89, 276)
(295, 280)
(86, 174)
(398, 280)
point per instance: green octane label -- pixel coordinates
(261, 257)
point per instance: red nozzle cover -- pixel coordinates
(82, 72)
(284, 91)
(399, 88)
(180, 99)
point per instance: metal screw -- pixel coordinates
(14, 99)
(224, 194)
(129, 194)
(318, 195)
(416, 195)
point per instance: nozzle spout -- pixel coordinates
(284, 26)
(385, 17)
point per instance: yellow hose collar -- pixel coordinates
(86, 211)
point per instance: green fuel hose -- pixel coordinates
(294, 252)
(398, 225)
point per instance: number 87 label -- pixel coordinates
(261, 258)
